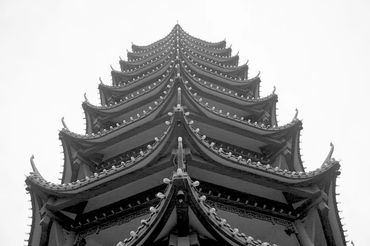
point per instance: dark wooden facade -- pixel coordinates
(184, 151)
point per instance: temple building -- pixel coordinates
(185, 151)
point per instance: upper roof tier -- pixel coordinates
(210, 67)
(218, 92)
(147, 48)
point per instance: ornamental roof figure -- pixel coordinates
(183, 111)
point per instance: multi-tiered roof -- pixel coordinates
(184, 110)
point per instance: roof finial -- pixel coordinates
(296, 115)
(247, 60)
(32, 162)
(111, 67)
(101, 81)
(177, 22)
(34, 168)
(177, 66)
(274, 90)
(178, 97)
(328, 158)
(180, 155)
(120, 58)
(86, 100)
(64, 124)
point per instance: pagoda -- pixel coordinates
(184, 151)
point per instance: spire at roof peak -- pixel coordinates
(177, 26)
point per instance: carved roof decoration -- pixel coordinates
(184, 107)
(219, 225)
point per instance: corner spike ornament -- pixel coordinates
(274, 90)
(64, 124)
(328, 158)
(33, 165)
(101, 81)
(86, 100)
(296, 115)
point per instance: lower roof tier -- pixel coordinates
(240, 213)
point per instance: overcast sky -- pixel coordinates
(315, 52)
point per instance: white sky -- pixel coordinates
(315, 52)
